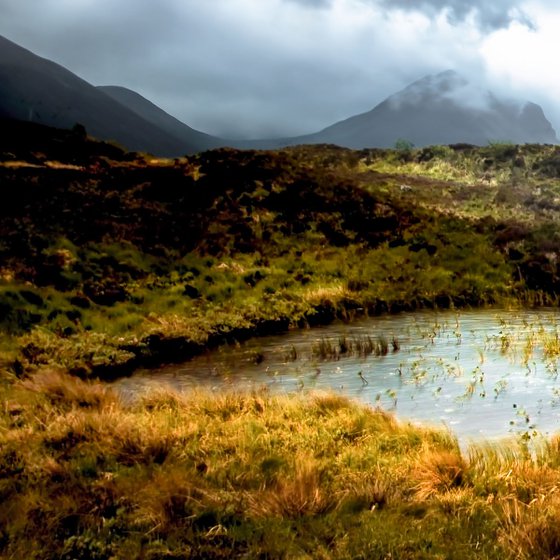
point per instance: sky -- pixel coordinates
(266, 68)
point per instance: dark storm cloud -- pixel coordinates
(489, 15)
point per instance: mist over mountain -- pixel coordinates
(439, 109)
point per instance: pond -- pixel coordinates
(483, 374)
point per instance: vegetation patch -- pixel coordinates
(111, 260)
(83, 475)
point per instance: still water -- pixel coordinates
(483, 374)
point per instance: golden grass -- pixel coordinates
(81, 470)
(438, 472)
(65, 391)
(326, 294)
(302, 494)
(531, 530)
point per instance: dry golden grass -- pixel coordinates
(326, 294)
(302, 494)
(437, 472)
(371, 490)
(531, 530)
(65, 391)
(81, 470)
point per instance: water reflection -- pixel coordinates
(482, 373)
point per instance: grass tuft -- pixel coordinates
(301, 495)
(66, 391)
(438, 472)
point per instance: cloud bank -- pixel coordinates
(255, 68)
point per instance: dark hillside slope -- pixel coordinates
(35, 143)
(124, 260)
(164, 121)
(38, 90)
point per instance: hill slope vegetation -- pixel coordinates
(112, 259)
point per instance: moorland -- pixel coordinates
(111, 260)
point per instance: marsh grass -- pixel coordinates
(301, 495)
(85, 475)
(438, 472)
(362, 346)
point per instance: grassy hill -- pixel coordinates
(109, 259)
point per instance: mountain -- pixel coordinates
(38, 90)
(158, 117)
(440, 109)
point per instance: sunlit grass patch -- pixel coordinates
(531, 530)
(83, 470)
(326, 294)
(437, 473)
(300, 495)
(65, 391)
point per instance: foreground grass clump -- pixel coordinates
(84, 475)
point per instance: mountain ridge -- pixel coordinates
(436, 109)
(412, 112)
(37, 89)
(160, 118)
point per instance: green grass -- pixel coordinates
(145, 257)
(238, 294)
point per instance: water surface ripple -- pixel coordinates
(482, 373)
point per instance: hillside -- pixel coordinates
(160, 258)
(162, 120)
(37, 90)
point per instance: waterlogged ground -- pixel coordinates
(483, 374)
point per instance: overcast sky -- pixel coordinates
(262, 68)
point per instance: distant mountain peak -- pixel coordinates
(444, 81)
(443, 108)
(448, 86)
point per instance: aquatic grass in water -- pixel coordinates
(362, 346)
